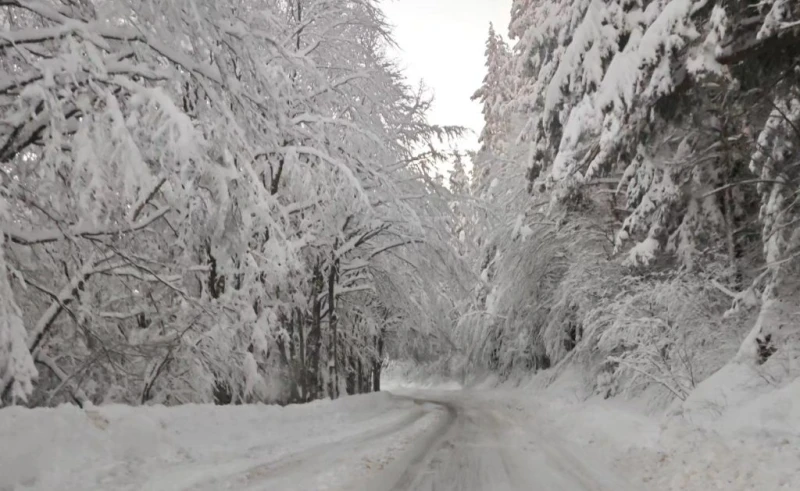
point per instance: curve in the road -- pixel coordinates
(414, 466)
(481, 446)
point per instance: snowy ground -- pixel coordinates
(323, 445)
(422, 440)
(734, 432)
(437, 438)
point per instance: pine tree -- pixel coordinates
(661, 138)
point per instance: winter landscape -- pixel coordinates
(240, 250)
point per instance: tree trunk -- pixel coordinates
(303, 375)
(376, 364)
(376, 376)
(315, 336)
(216, 282)
(287, 354)
(351, 379)
(730, 226)
(332, 321)
(362, 387)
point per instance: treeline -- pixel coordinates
(638, 190)
(210, 201)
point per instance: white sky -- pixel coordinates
(442, 42)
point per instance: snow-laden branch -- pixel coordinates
(395, 246)
(339, 82)
(339, 291)
(35, 35)
(306, 118)
(60, 301)
(66, 296)
(346, 171)
(676, 391)
(85, 231)
(26, 134)
(77, 393)
(46, 11)
(360, 239)
(104, 31)
(142, 273)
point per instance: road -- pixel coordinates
(482, 444)
(455, 441)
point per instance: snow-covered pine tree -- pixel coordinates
(665, 129)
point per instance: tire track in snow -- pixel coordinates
(413, 467)
(290, 463)
(482, 446)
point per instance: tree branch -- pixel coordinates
(29, 238)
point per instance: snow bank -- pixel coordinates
(122, 447)
(777, 413)
(586, 419)
(738, 430)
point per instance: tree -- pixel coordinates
(658, 139)
(193, 193)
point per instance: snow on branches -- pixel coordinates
(668, 130)
(189, 187)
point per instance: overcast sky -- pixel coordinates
(442, 42)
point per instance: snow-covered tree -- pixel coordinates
(659, 139)
(198, 196)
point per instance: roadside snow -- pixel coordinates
(155, 448)
(735, 432)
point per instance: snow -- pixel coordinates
(740, 432)
(548, 431)
(775, 17)
(406, 386)
(732, 433)
(120, 447)
(405, 377)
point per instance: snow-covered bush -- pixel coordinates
(665, 331)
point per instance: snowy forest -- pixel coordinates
(238, 201)
(208, 201)
(654, 236)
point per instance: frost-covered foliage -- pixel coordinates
(662, 331)
(206, 201)
(671, 128)
(524, 319)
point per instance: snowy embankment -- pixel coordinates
(313, 446)
(733, 433)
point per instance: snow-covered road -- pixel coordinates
(487, 444)
(449, 441)
(421, 440)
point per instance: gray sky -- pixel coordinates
(442, 42)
